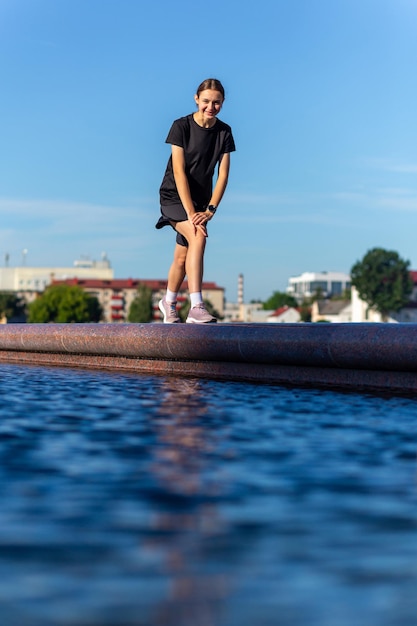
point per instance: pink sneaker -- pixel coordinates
(169, 311)
(199, 315)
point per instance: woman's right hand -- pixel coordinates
(199, 220)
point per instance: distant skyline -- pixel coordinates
(321, 96)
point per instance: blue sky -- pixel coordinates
(321, 96)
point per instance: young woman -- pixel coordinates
(199, 143)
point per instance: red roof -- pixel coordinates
(280, 311)
(126, 283)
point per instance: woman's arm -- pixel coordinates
(218, 191)
(183, 188)
(222, 179)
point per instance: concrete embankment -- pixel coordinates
(341, 356)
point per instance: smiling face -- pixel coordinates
(209, 103)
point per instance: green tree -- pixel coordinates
(279, 299)
(64, 304)
(11, 305)
(305, 310)
(383, 280)
(141, 310)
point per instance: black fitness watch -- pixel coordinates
(212, 208)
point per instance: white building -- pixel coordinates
(31, 280)
(309, 283)
(241, 312)
(283, 315)
(362, 312)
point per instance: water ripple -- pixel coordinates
(133, 500)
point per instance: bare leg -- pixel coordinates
(176, 272)
(194, 255)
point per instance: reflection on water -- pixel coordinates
(181, 467)
(181, 432)
(138, 500)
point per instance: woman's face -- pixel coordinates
(209, 103)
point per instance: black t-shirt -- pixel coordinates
(203, 148)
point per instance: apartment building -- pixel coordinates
(115, 296)
(329, 284)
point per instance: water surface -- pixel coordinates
(141, 500)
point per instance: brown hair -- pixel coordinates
(211, 83)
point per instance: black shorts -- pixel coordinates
(174, 213)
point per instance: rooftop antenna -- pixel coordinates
(24, 255)
(6, 259)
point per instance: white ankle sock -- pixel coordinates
(196, 298)
(171, 296)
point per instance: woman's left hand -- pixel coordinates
(201, 217)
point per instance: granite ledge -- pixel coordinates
(351, 356)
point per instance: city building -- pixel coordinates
(115, 296)
(361, 312)
(241, 312)
(28, 282)
(331, 311)
(284, 315)
(328, 284)
(247, 313)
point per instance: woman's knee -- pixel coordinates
(189, 231)
(198, 240)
